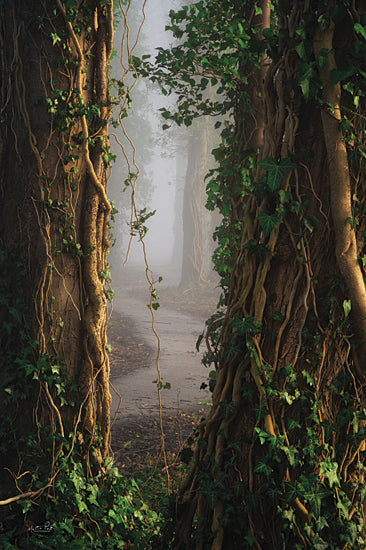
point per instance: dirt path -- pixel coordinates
(179, 362)
(135, 432)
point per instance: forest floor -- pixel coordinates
(136, 440)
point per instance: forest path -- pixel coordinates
(179, 362)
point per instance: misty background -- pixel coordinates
(171, 166)
(164, 159)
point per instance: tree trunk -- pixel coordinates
(55, 107)
(194, 240)
(279, 460)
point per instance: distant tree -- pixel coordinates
(186, 69)
(279, 461)
(194, 198)
(195, 149)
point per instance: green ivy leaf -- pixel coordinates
(309, 82)
(199, 340)
(330, 472)
(337, 76)
(319, 544)
(276, 172)
(291, 424)
(360, 30)
(278, 316)
(353, 222)
(93, 489)
(343, 506)
(268, 222)
(301, 50)
(262, 468)
(55, 38)
(347, 307)
(242, 325)
(82, 507)
(322, 61)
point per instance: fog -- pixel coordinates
(171, 167)
(159, 156)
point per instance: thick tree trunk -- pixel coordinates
(54, 213)
(278, 456)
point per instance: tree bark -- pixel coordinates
(340, 184)
(54, 216)
(279, 418)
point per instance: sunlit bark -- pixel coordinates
(54, 207)
(291, 287)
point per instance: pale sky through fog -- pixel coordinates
(161, 170)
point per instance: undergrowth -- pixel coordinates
(108, 512)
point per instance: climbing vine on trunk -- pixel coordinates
(279, 460)
(54, 152)
(55, 104)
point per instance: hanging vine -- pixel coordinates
(138, 217)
